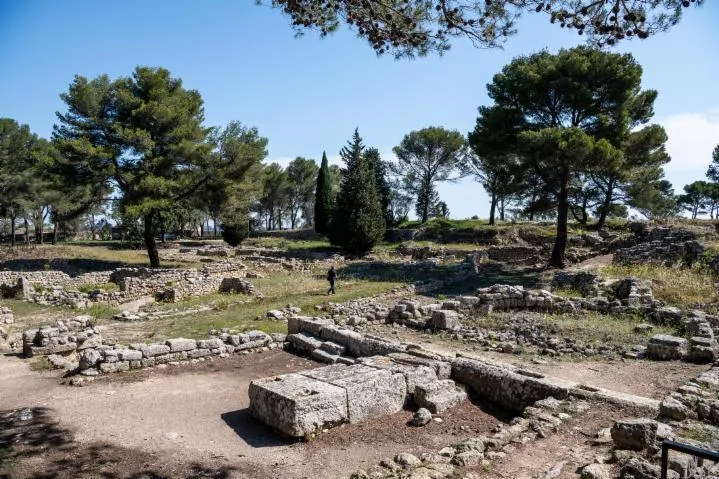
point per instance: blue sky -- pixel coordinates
(307, 95)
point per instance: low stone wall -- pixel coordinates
(696, 399)
(514, 254)
(663, 245)
(53, 278)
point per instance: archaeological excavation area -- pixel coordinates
(435, 359)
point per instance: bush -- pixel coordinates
(233, 235)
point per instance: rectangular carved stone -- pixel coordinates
(181, 344)
(371, 392)
(297, 405)
(155, 349)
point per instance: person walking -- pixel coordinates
(331, 277)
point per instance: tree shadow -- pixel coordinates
(253, 432)
(71, 267)
(450, 281)
(34, 445)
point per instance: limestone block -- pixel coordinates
(250, 345)
(444, 319)
(314, 326)
(413, 374)
(324, 356)
(442, 369)
(181, 344)
(129, 355)
(155, 349)
(663, 347)
(372, 347)
(672, 408)
(304, 342)
(213, 343)
(371, 392)
(333, 348)
(438, 396)
(634, 434)
(198, 353)
(297, 405)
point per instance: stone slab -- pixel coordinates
(296, 404)
(371, 392)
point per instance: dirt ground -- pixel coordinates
(652, 379)
(191, 422)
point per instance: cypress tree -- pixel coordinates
(357, 221)
(383, 189)
(323, 198)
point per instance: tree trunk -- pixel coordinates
(501, 208)
(214, 227)
(560, 244)
(27, 233)
(92, 225)
(149, 236)
(12, 231)
(604, 210)
(54, 233)
(492, 207)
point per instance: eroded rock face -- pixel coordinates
(297, 405)
(634, 434)
(438, 396)
(664, 347)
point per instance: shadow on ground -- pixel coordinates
(252, 431)
(34, 445)
(71, 267)
(453, 284)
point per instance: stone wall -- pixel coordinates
(514, 254)
(54, 278)
(662, 245)
(588, 284)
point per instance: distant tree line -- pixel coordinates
(566, 136)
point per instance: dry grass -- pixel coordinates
(674, 285)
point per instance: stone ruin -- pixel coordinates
(661, 245)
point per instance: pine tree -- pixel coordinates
(357, 221)
(323, 198)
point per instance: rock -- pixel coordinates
(634, 434)
(596, 471)
(637, 468)
(672, 408)
(421, 417)
(432, 471)
(89, 358)
(297, 405)
(370, 392)
(406, 459)
(304, 342)
(643, 328)
(663, 347)
(438, 396)
(181, 344)
(153, 350)
(445, 319)
(467, 458)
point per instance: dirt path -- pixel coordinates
(185, 419)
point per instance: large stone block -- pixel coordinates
(181, 344)
(635, 434)
(445, 319)
(663, 347)
(314, 326)
(371, 392)
(304, 342)
(413, 374)
(297, 405)
(438, 396)
(155, 349)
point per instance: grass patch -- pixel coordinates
(90, 287)
(39, 363)
(99, 311)
(593, 328)
(291, 245)
(698, 433)
(22, 309)
(672, 284)
(567, 293)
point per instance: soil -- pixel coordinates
(192, 421)
(570, 446)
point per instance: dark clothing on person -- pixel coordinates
(331, 276)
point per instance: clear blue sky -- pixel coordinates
(306, 94)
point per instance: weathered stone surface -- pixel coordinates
(198, 353)
(314, 326)
(181, 344)
(672, 408)
(212, 343)
(89, 358)
(129, 355)
(323, 356)
(155, 349)
(413, 374)
(445, 319)
(597, 471)
(637, 468)
(663, 347)
(421, 417)
(296, 404)
(304, 342)
(634, 434)
(333, 348)
(371, 392)
(438, 396)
